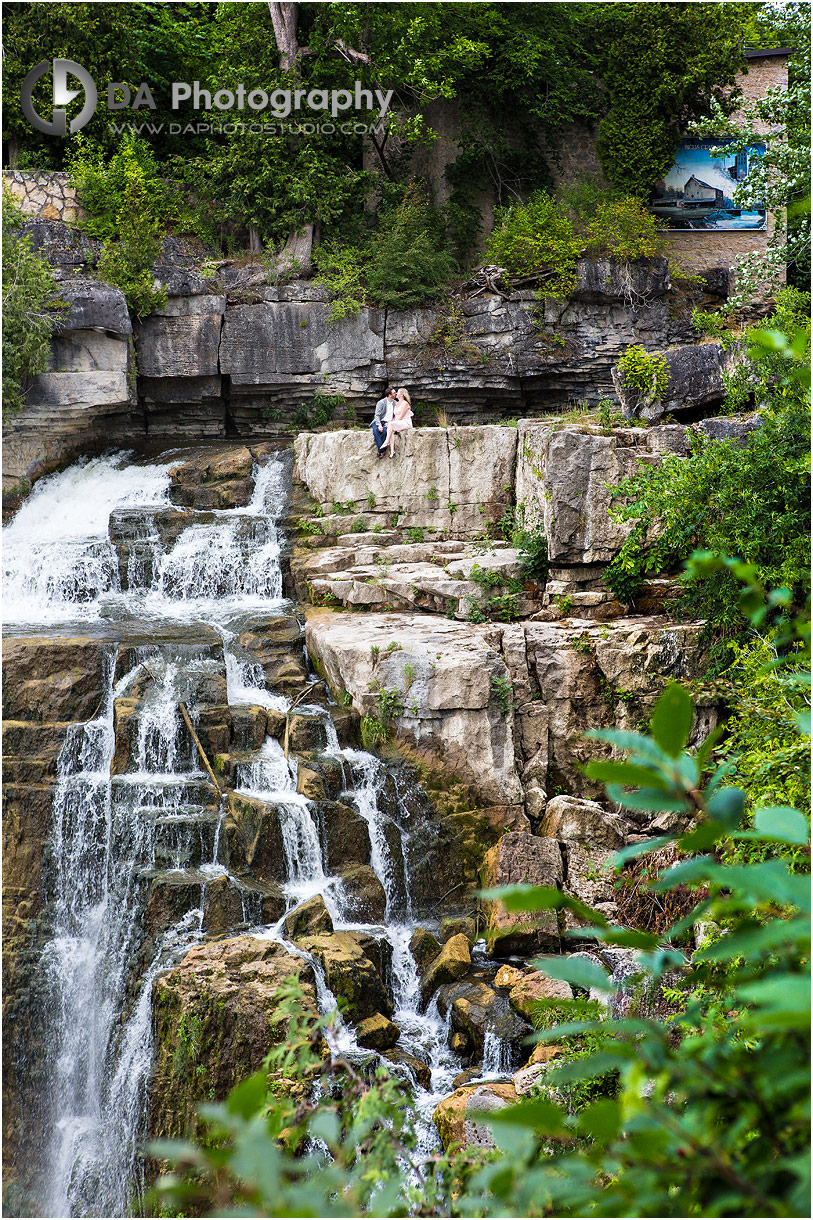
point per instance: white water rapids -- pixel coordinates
(113, 832)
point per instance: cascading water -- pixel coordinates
(158, 818)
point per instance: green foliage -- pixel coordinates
(336, 1148)
(535, 239)
(31, 309)
(503, 692)
(623, 229)
(409, 263)
(661, 64)
(315, 413)
(644, 372)
(415, 533)
(127, 204)
(779, 349)
(772, 762)
(340, 270)
(746, 499)
(531, 544)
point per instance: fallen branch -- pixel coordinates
(200, 749)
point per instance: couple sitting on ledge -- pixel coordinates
(393, 414)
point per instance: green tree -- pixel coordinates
(31, 309)
(662, 65)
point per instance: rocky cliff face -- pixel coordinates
(230, 355)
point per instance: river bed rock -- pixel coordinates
(458, 1118)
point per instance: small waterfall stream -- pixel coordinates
(160, 817)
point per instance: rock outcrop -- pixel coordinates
(213, 1016)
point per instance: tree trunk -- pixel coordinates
(283, 17)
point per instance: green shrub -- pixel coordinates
(340, 270)
(535, 239)
(315, 413)
(126, 204)
(409, 262)
(31, 309)
(644, 372)
(623, 229)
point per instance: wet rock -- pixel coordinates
(451, 963)
(364, 895)
(420, 1070)
(53, 679)
(459, 1043)
(452, 925)
(424, 948)
(253, 838)
(310, 785)
(520, 859)
(377, 1032)
(249, 724)
(458, 1118)
(333, 773)
(573, 820)
(309, 919)
(222, 906)
(214, 729)
(350, 974)
(213, 1021)
(344, 835)
(463, 1078)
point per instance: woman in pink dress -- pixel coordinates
(401, 419)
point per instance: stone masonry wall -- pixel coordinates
(44, 195)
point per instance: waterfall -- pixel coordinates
(158, 821)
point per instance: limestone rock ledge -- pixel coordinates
(504, 707)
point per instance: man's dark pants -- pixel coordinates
(379, 437)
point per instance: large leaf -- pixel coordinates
(672, 719)
(540, 898)
(727, 806)
(756, 940)
(786, 995)
(640, 849)
(246, 1099)
(782, 822)
(537, 1115)
(625, 773)
(648, 799)
(577, 971)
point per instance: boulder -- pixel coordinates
(452, 925)
(424, 948)
(449, 479)
(213, 1018)
(421, 1071)
(451, 963)
(590, 875)
(350, 974)
(309, 919)
(563, 480)
(94, 305)
(573, 820)
(458, 1118)
(476, 1014)
(363, 895)
(526, 993)
(377, 1032)
(222, 480)
(694, 382)
(521, 859)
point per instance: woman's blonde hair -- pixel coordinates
(403, 390)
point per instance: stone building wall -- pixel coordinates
(43, 194)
